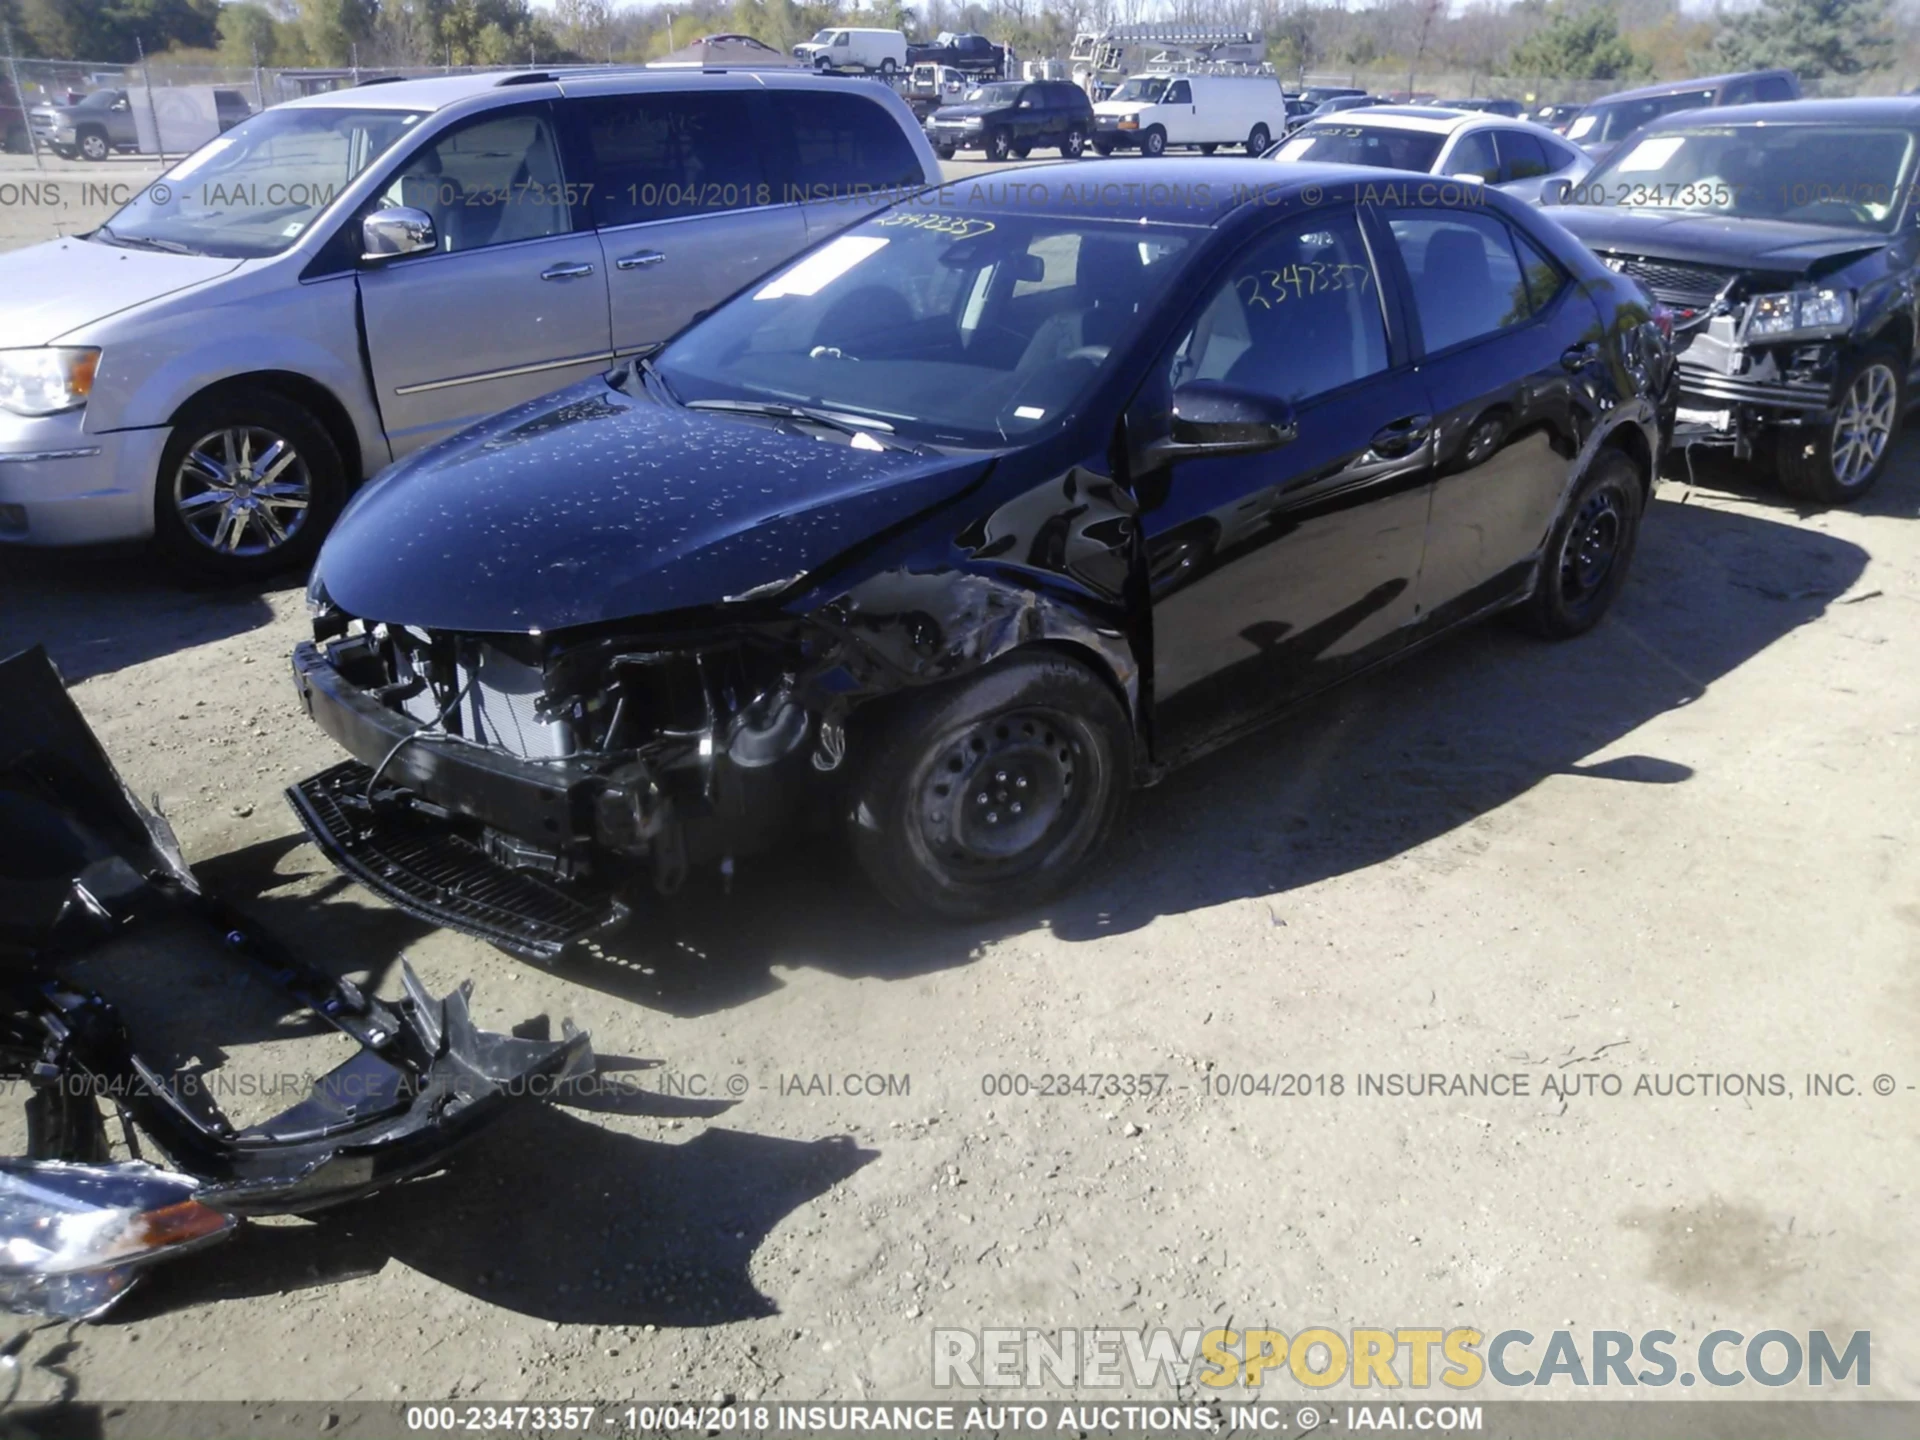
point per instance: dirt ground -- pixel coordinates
(1685, 843)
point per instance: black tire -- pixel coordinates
(223, 540)
(1103, 147)
(1208, 149)
(1074, 146)
(1154, 141)
(887, 67)
(94, 145)
(998, 147)
(945, 152)
(1258, 139)
(66, 152)
(1035, 730)
(1589, 551)
(1022, 150)
(1840, 462)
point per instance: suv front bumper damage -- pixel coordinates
(1730, 392)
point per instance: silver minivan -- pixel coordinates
(345, 278)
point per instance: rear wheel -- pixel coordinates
(1208, 149)
(1589, 551)
(887, 67)
(1154, 142)
(945, 152)
(248, 484)
(990, 794)
(1839, 464)
(1258, 139)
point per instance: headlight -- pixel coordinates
(1799, 312)
(45, 382)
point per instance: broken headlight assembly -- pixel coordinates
(1798, 314)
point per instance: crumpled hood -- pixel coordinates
(590, 505)
(1771, 245)
(47, 291)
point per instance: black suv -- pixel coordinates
(1009, 117)
(1786, 240)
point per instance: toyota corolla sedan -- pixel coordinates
(948, 533)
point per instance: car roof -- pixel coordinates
(1682, 87)
(437, 92)
(1873, 109)
(1436, 119)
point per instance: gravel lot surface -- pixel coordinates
(1685, 843)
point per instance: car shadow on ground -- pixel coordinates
(553, 1216)
(1356, 777)
(98, 611)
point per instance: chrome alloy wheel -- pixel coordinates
(242, 491)
(1865, 425)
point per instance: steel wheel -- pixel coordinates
(1593, 544)
(1002, 793)
(242, 490)
(1865, 425)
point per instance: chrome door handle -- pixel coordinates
(566, 272)
(639, 259)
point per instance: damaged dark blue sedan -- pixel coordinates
(999, 503)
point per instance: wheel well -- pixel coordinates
(310, 394)
(1631, 441)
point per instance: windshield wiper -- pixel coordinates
(144, 242)
(878, 431)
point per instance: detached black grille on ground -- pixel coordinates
(441, 876)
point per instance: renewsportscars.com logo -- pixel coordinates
(1416, 1357)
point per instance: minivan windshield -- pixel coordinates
(951, 326)
(1148, 88)
(256, 189)
(1806, 173)
(1333, 144)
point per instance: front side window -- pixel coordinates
(1465, 275)
(492, 181)
(260, 186)
(657, 156)
(1331, 143)
(1296, 316)
(961, 327)
(1147, 89)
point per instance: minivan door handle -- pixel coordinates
(1402, 437)
(639, 260)
(566, 272)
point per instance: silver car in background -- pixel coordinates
(1516, 156)
(345, 278)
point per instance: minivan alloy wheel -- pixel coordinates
(1865, 425)
(242, 490)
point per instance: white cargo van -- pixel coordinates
(1157, 111)
(879, 52)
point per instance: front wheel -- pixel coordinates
(1589, 551)
(93, 146)
(1103, 147)
(1154, 142)
(990, 794)
(1258, 139)
(1074, 146)
(1839, 464)
(248, 485)
(998, 147)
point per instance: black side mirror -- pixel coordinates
(1211, 419)
(1555, 192)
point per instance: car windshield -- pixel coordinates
(1362, 145)
(1610, 124)
(256, 189)
(952, 326)
(1146, 88)
(1809, 174)
(993, 94)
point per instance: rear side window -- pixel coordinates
(660, 156)
(1544, 278)
(1465, 275)
(1521, 156)
(1474, 156)
(831, 146)
(1773, 87)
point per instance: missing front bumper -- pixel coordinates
(429, 869)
